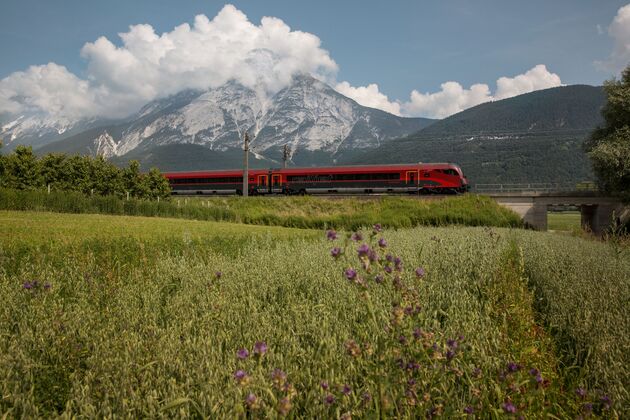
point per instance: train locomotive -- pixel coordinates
(419, 178)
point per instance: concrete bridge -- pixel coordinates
(597, 211)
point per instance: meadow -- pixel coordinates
(299, 212)
(155, 317)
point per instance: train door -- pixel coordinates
(412, 177)
(262, 184)
(276, 183)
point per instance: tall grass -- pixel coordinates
(300, 212)
(137, 322)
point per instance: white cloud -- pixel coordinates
(619, 30)
(122, 78)
(369, 96)
(534, 79)
(453, 97)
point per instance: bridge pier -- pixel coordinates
(597, 218)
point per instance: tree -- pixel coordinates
(157, 185)
(132, 180)
(22, 169)
(609, 146)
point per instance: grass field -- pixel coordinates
(566, 221)
(151, 317)
(300, 212)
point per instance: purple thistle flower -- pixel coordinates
(378, 278)
(389, 257)
(27, 285)
(218, 274)
(469, 410)
(450, 354)
(411, 382)
(284, 406)
(278, 377)
(420, 272)
(47, 286)
(533, 371)
(513, 367)
(413, 365)
(588, 407)
(329, 399)
(606, 401)
(397, 261)
(539, 378)
(581, 392)
(372, 256)
(346, 390)
(356, 237)
(377, 228)
(240, 376)
(331, 235)
(350, 273)
(366, 397)
(402, 340)
(417, 333)
(251, 400)
(452, 343)
(335, 252)
(324, 385)
(508, 407)
(387, 269)
(242, 354)
(382, 243)
(363, 250)
(260, 348)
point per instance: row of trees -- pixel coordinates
(23, 170)
(609, 145)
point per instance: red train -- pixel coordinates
(440, 178)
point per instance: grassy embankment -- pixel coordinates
(300, 212)
(128, 317)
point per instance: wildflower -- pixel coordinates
(329, 399)
(411, 382)
(402, 340)
(252, 401)
(278, 377)
(420, 272)
(533, 371)
(356, 237)
(452, 343)
(607, 403)
(417, 333)
(378, 278)
(331, 235)
(346, 390)
(508, 407)
(324, 385)
(47, 286)
(450, 354)
(241, 377)
(413, 366)
(587, 408)
(366, 397)
(387, 269)
(350, 273)
(513, 367)
(353, 348)
(409, 310)
(377, 228)
(382, 243)
(290, 390)
(389, 257)
(27, 285)
(539, 378)
(372, 256)
(581, 392)
(363, 250)
(242, 354)
(218, 274)
(260, 348)
(397, 261)
(284, 406)
(335, 252)
(469, 410)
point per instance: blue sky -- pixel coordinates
(399, 45)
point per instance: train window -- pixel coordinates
(426, 175)
(451, 172)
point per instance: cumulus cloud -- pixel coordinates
(369, 96)
(619, 30)
(452, 97)
(147, 65)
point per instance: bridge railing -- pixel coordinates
(534, 187)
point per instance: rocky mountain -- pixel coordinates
(535, 137)
(319, 125)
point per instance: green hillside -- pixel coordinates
(536, 137)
